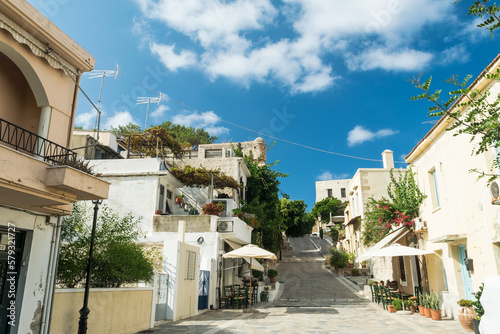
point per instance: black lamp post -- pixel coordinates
(84, 311)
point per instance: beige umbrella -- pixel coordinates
(252, 252)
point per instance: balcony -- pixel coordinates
(32, 144)
(30, 180)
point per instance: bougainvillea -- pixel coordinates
(212, 208)
(202, 177)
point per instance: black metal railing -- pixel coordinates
(29, 142)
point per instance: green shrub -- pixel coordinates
(465, 302)
(477, 304)
(272, 273)
(339, 258)
(355, 272)
(409, 303)
(257, 274)
(398, 304)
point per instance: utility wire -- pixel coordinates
(222, 120)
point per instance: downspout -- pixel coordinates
(51, 278)
(73, 111)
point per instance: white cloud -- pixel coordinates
(326, 175)
(86, 120)
(402, 60)
(159, 112)
(172, 60)
(359, 135)
(118, 118)
(206, 120)
(456, 54)
(232, 40)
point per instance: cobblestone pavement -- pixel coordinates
(313, 300)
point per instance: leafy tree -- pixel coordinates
(117, 259)
(188, 136)
(471, 111)
(262, 199)
(125, 130)
(297, 220)
(328, 205)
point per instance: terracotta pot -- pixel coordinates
(436, 314)
(427, 312)
(157, 212)
(391, 309)
(421, 310)
(412, 308)
(272, 279)
(465, 316)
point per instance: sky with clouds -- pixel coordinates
(329, 75)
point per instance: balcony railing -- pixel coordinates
(29, 142)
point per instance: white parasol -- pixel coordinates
(252, 252)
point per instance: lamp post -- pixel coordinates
(84, 311)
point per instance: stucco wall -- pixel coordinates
(336, 186)
(121, 310)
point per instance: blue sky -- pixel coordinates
(330, 75)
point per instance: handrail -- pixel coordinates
(27, 141)
(191, 201)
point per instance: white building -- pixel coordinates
(147, 189)
(332, 188)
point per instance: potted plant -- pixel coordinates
(466, 314)
(478, 308)
(212, 208)
(264, 295)
(351, 257)
(355, 272)
(271, 273)
(435, 307)
(397, 305)
(339, 258)
(421, 304)
(410, 305)
(179, 199)
(427, 305)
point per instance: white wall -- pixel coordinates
(335, 185)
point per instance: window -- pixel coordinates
(329, 191)
(433, 181)
(342, 193)
(191, 265)
(169, 194)
(213, 153)
(402, 268)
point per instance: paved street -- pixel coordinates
(314, 300)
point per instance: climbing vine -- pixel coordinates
(202, 177)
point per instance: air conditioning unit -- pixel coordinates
(495, 192)
(225, 226)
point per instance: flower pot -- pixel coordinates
(272, 279)
(391, 309)
(157, 212)
(465, 316)
(427, 312)
(412, 308)
(421, 310)
(264, 297)
(475, 323)
(436, 314)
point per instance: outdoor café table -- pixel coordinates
(397, 294)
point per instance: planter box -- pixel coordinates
(436, 314)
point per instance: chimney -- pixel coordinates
(388, 159)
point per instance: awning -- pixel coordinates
(394, 236)
(255, 264)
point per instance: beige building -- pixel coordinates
(40, 67)
(332, 188)
(459, 221)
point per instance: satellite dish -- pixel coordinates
(200, 240)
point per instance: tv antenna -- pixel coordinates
(101, 74)
(148, 100)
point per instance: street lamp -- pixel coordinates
(84, 311)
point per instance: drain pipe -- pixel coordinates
(50, 282)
